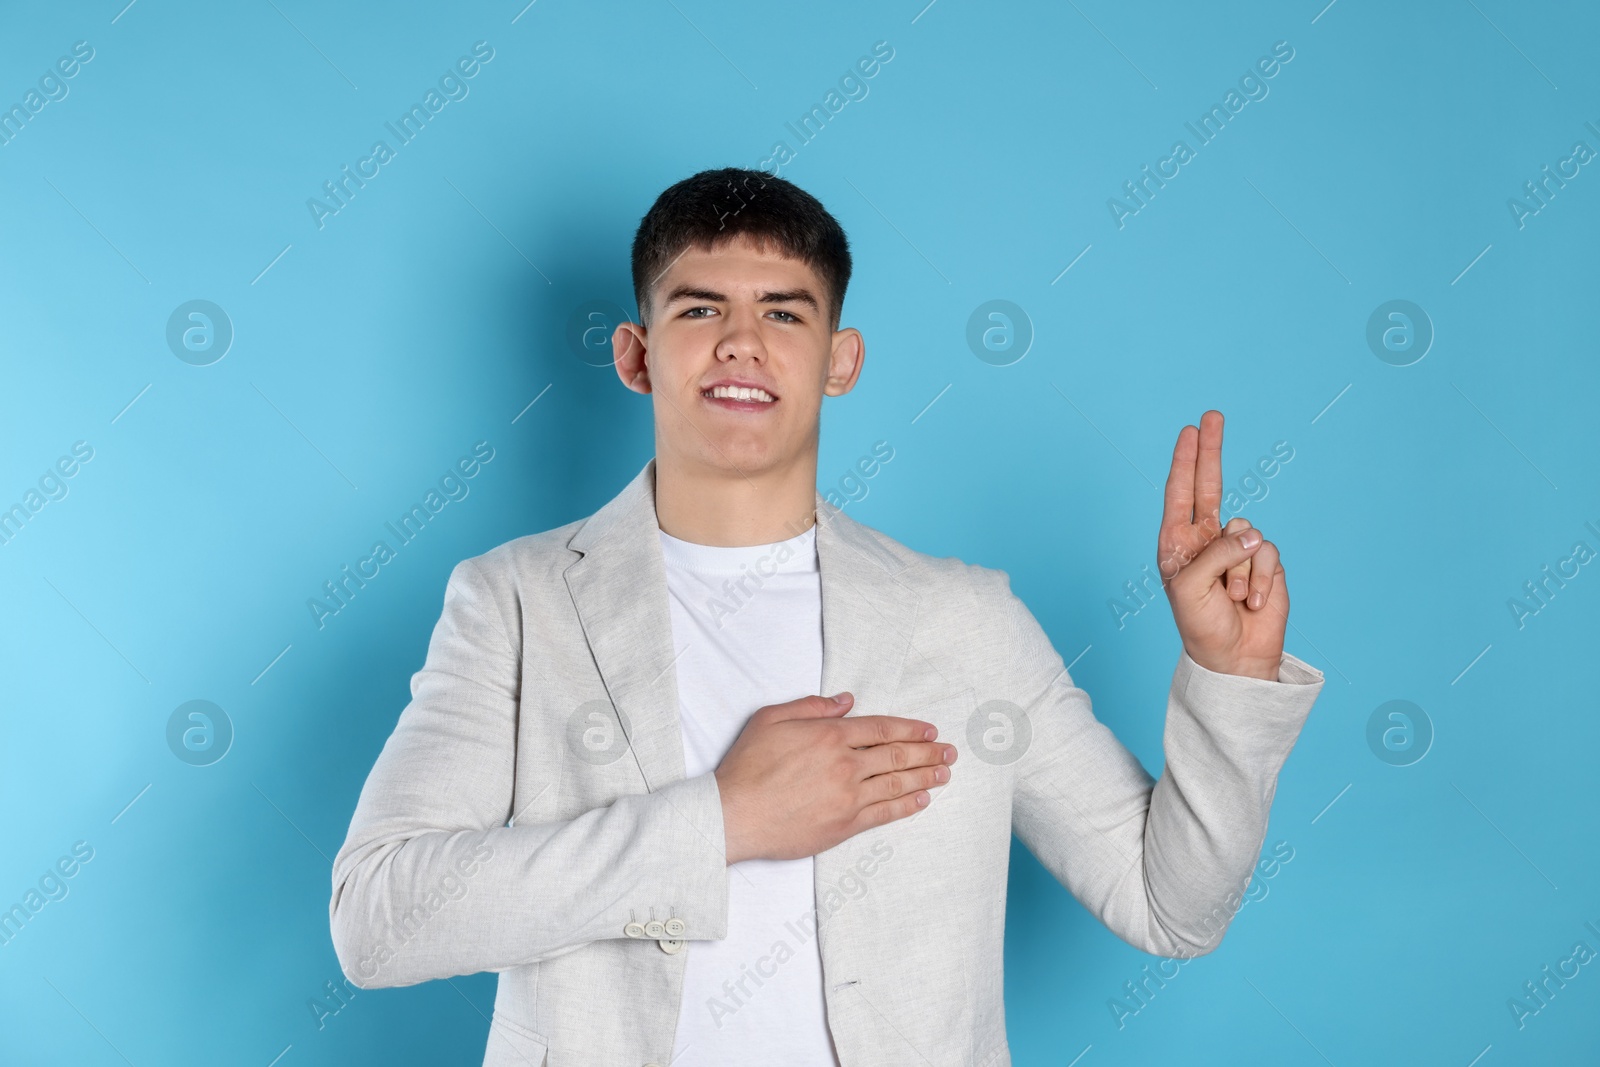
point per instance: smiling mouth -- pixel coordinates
(740, 397)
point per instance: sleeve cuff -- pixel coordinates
(703, 891)
(1296, 671)
(1251, 715)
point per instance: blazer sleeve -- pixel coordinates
(1162, 864)
(437, 878)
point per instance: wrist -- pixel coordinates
(734, 847)
(1266, 674)
(1266, 670)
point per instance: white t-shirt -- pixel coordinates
(747, 631)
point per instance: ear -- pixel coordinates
(844, 361)
(628, 349)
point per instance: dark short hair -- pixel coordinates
(714, 206)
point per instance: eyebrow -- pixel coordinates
(782, 296)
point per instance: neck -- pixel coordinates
(729, 509)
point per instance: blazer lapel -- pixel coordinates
(868, 613)
(619, 589)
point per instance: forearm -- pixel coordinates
(413, 903)
(1226, 739)
(1156, 861)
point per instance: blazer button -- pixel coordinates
(655, 928)
(634, 929)
(675, 927)
(671, 946)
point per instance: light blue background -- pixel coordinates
(429, 312)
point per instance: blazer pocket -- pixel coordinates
(514, 1045)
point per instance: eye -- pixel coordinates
(691, 312)
(791, 318)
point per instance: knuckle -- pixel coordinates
(844, 769)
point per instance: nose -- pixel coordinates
(741, 339)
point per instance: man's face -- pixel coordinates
(738, 317)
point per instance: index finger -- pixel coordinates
(864, 731)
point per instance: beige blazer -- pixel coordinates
(530, 816)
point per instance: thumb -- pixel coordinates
(813, 707)
(1223, 552)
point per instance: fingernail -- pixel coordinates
(922, 800)
(842, 698)
(941, 774)
(1255, 600)
(929, 734)
(1250, 538)
(950, 754)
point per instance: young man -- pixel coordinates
(681, 772)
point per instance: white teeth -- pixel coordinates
(735, 392)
